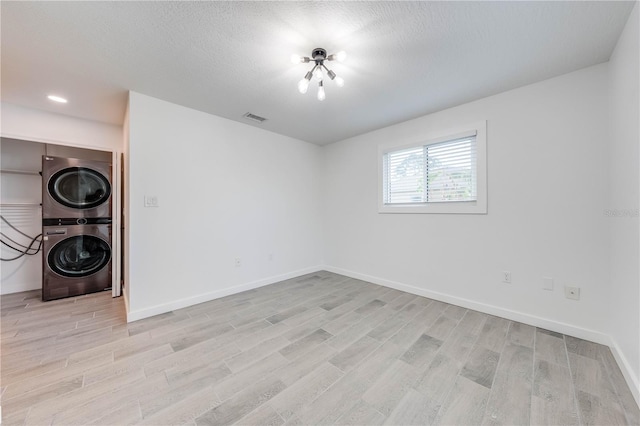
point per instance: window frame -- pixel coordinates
(479, 206)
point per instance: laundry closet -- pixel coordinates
(57, 205)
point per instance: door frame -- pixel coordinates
(116, 205)
(116, 218)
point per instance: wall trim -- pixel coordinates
(18, 287)
(194, 300)
(625, 367)
(54, 142)
(559, 327)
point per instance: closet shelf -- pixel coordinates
(20, 172)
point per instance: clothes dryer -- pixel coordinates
(74, 188)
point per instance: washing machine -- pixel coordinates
(76, 258)
(74, 188)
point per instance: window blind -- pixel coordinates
(431, 173)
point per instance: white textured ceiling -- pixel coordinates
(405, 59)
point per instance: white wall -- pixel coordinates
(624, 192)
(40, 126)
(547, 184)
(226, 190)
(26, 189)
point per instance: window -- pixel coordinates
(441, 175)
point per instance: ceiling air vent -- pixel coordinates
(254, 117)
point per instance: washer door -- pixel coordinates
(79, 188)
(79, 256)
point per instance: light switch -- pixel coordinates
(547, 283)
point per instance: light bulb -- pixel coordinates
(341, 56)
(303, 85)
(296, 59)
(318, 73)
(321, 94)
(58, 99)
(339, 81)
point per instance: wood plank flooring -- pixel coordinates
(317, 349)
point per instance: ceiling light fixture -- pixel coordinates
(57, 99)
(318, 56)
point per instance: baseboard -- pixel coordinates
(627, 372)
(560, 327)
(18, 287)
(194, 300)
(557, 326)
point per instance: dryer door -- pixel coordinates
(79, 256)
(79, 187)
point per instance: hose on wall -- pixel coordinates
(29, 250)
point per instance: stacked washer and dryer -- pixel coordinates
(76, 227)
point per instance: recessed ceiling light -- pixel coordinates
(57, 99)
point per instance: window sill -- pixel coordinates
(467, 207)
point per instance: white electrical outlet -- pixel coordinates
(270, 257)
(238, 262)
(547, 283)
(506, 277)
(572, 293)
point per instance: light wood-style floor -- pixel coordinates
(318, 349)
